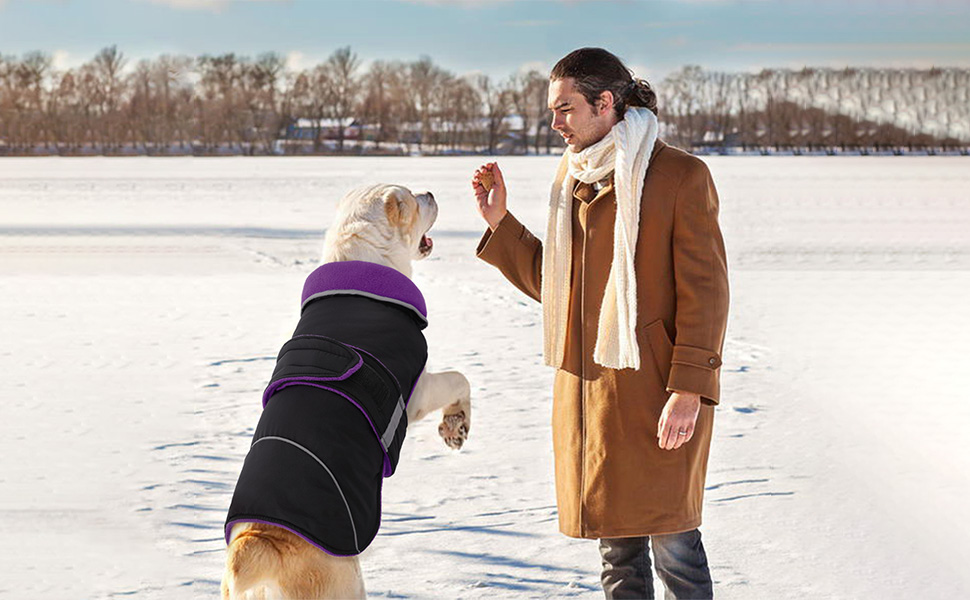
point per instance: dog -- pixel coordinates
(377, 232)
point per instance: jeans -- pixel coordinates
(681, 566)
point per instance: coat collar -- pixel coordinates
(371, 280)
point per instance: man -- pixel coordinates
(633, 282)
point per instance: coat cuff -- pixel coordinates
(695, 370)
(495, 244)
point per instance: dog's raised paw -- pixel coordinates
(454, 430)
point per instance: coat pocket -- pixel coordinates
(661, 347)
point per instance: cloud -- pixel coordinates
(459, 3)
(210, 5)
(678, 41)
(533, 23)
(534, 65)
(667, 24)
(895, 47)
(296, 61)
(715, 1)
(485, 3)
(61, 59)
(867, 63)
(215, 6)
(875, 54)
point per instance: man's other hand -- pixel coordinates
(679, 415)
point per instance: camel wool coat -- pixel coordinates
(612, 477)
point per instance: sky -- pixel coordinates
(502, 37)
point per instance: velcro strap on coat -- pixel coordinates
(312, 358)
(695, 357)
(323, 362)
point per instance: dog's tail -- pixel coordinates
(252, 563)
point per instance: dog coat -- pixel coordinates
(334, 413)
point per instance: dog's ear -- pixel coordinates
(401, 208)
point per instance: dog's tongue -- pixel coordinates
(426, 241)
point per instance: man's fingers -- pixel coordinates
(665, 428)
(477, 184)
(671, 440)
(681, 439)
(481, 196)
(668, 434)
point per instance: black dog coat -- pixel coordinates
(334, 415)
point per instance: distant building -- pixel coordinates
(327, 129)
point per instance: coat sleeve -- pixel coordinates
(701, 283)
(517, 254)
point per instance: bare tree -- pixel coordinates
(298, 101)
(345, 85)
(23, 95)
(221, 121)
(527, 95)
(424, 78)
(263, 78)
(107, 66)
(462, 109)
(319, 101)
(379, 106)
(494, 98)
(144, 108)
(172, 76)
(681, 102)
(812, 87)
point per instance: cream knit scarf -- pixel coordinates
(625, 151)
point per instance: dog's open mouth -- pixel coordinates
(424, 247)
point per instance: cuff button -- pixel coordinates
(712, 360)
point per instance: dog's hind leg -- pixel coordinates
(451, 392)
(322, 576)
(252, 562)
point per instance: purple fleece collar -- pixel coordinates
(367, 279)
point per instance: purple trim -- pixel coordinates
(370, 278)
(387, 459)
(288, 381)
(290, 529)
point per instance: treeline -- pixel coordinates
(811, 108)
(234, 104)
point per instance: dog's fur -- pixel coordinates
(384, 224)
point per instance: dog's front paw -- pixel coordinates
(454, 429)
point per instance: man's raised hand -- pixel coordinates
(491, 202)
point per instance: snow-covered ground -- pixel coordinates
(143, 301)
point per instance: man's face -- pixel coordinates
(580, 124)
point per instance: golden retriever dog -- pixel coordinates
(387, 225)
